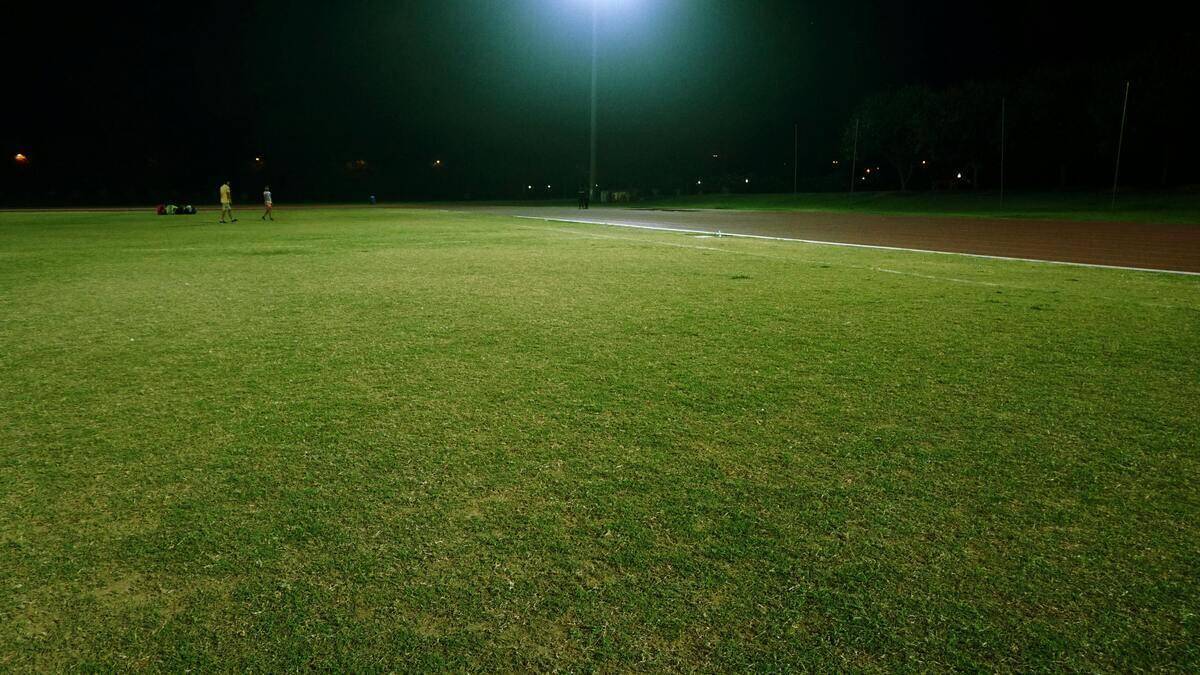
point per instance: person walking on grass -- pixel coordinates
(227, 203)
(268, 204)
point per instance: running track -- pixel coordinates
(1172, 248)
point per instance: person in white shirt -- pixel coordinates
(270, 206)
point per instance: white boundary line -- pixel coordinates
(841, 243)
(580, 233)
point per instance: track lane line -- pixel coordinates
(660, 228)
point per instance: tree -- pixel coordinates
(1050, 125)
(896, 127)
(967, 132)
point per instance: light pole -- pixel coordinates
(592, 164)
(1120, 144)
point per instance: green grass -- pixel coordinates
(1138, 207)
(398, 439)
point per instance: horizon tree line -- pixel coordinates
(1058, 127)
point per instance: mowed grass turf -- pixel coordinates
(400, 439)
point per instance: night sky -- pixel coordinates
(126, 101)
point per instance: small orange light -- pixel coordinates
(21, 158)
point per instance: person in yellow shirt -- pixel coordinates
(226, 202)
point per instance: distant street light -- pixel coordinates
(20, 158)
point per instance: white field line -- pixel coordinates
(776, 257)
(930, 276)
(643, 226)
(593, 235)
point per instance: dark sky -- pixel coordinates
(180, 95)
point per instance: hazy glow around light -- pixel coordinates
(606, 4)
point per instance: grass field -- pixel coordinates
(1134, 207)
(400, 439)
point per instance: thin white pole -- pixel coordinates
(1003, 129)
(1120, 143)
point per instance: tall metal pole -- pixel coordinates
(592, 163)
(1003, 127)
(795, 153)
(854, 158)
(1120, 143)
